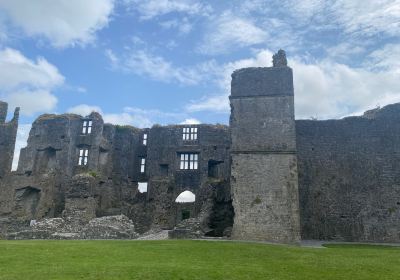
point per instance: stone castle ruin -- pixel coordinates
(266, 176)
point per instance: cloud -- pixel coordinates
(27, 83)
(183, 26)
(63, 23)
(134, 116)
(386, 58)
(16, 70)
(191, 121)
(84, 110)
(146, 64)
(328, 89)
(222, 77)
(216, 103)
(228, 32)
(21, 142)
(154, 8)
(32, 101)
(323, 89)
(366, 18)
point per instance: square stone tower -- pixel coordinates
(264, 162)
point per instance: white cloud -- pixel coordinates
(153, 8)
(222, 75)
(26, 83)
(144, 63)
(216, 103)
(387, 59)
(330, 90)
(63, 22)
(16, 70)
(228, 31)
(183, 26)
(32, 101)
(344, 51)
(191, 121)
(368, 17)
(112, 57)
(84, 110)
(81, 89)
(134, 116)
(21, 141)
(323, 89)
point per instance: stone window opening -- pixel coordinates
(185, 214)
(189, 161)
(142, 165)
(144, 140)
(189, 133)
(142, 187)
(164, 169)
(214, 168)
(87, 127)
(83, 157)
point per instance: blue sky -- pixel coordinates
(169, 61)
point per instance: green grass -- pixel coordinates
(193, 260)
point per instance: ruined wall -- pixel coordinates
(8, 134)
(349, 177)
(167, 180)
(264, 168)
(41, 186)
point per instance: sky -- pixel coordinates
(141, 62)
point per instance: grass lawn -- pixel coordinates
(170, 259)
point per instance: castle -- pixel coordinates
(266, 176)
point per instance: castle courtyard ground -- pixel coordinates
(194, 259)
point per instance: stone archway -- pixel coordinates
(185, 205)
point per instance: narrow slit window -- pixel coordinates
(142, 165)
(83, 157)
(144, 139)
(87, 127)
(189, 161)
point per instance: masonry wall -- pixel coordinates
(264, 165)
(167, 180)
(8, 134)
(48, 170)
(349, 177)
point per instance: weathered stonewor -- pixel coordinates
(264, 164)
(8, 134)
(349, 173)
(349, 177)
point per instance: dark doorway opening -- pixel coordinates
(185, 214)
(214, 168)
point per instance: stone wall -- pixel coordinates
(44, 186)
(8, 134)
(167, 180)
(349, 177)
(346, 172)
(264, 164)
